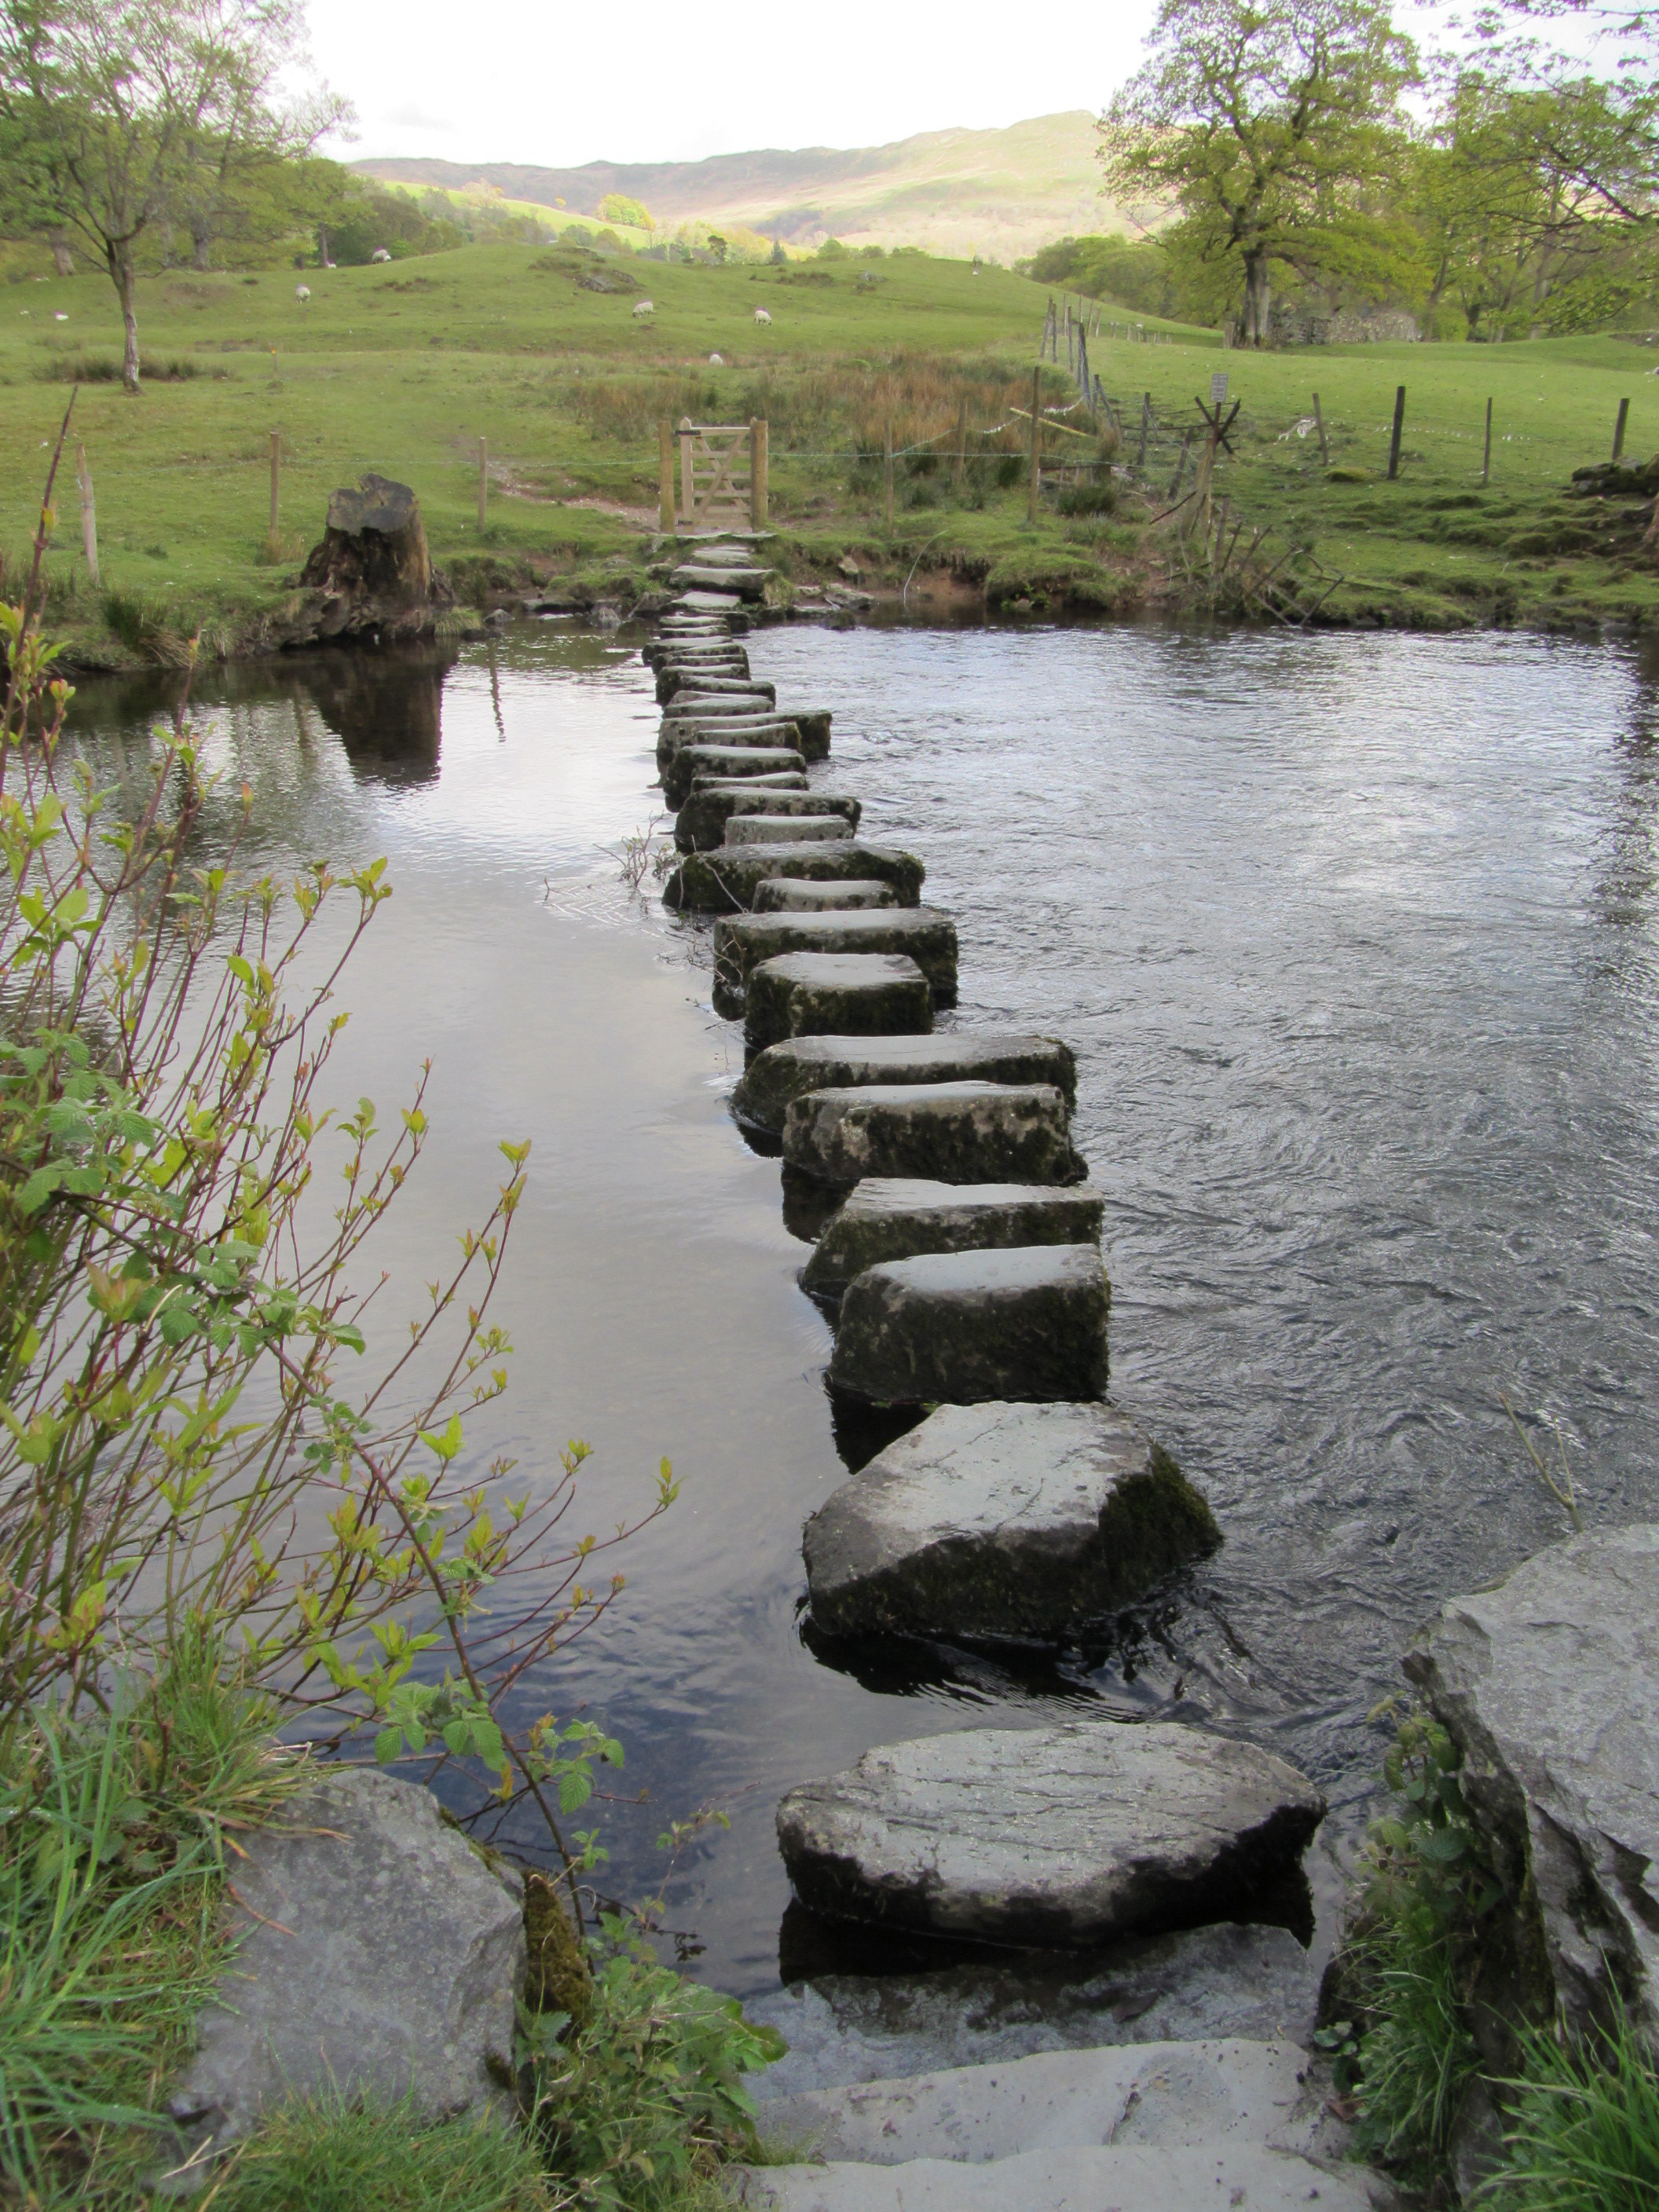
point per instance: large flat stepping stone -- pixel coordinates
(896, 1216)
(692, 702)
(786, 830)
(724, 881)
(942, 1132)
(743, 940)
(966, 1326)
(1549, 1685)
(1003, 1520)
(864, 994)
(697, 576)
(784, 894)
(787, 1071)
(1062, 1836)
(716, 654)
(684, 723)
(378, 1956)
(701, 823)
(703, 684)
(1107, 2177)
(725, 762)
(1228, 2090)
(700, 601)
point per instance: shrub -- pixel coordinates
(1585, 2126)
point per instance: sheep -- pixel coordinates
(762, 315)
(302, 293)
(380, 254)
(644, 307)
(716, 361)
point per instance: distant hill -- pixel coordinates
(1000, 193)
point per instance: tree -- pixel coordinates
(124, 116)
(1272, 127)
(620, 207)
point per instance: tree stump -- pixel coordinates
(372, 566)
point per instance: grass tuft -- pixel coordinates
(331, 2156)
(1584, 2127)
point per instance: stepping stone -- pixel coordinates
(943, 1132)
(680, 723)
(1003, 1520)
(695, 577)
(1099, 2177)
(724, 881)
(710, 602)
(693, 703)
(727, 730)
(1062, 1836)
(783, 895)
(787, 1071)
(675, 677)
(961, 1327)
(711, 654)
(928, 936)
(786, 829)
(702, 819)
(896, 1216)
(860, 994)
(725, 762)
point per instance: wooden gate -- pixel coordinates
(722, 477)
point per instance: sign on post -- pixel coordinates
(1218, 387)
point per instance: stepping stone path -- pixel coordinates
(965, 1327)
(788, 1070)
(965, 1269)
(845, 994)
(943, 1132)
(896, 1216)
(1003, 1520)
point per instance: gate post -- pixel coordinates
(665, 477)
(688, 497)
(757, 471)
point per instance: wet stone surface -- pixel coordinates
(724, 762)
(701, 824)
(721, 881)
(781, 895)
(779, 829)
(868, 993)
(946, 1132)
(896, 1216)
(967, 1327)
(928, 937)
(768, 1084)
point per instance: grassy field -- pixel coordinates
(402, 369)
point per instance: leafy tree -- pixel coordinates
(1275, 128)
(123, 116)
(618, 207)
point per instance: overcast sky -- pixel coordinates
(524, 81)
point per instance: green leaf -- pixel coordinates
(387, 1744)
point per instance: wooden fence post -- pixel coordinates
(1399, 425)
(961, 439)
(1181, 464)
(1618, 429)
(1036, 439)
(887, 468)
(664, 477)
(1486, 458)
(88, 512)
(757, 471)
(1145, 425)
(484, 485)
(688, 501)
(1319, 425)
(275, 479)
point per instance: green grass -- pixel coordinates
(336, 2157)
(402, 369)
(1584, 2127)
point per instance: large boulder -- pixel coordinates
(943, 1132)
(724, 881)
(1062, 1836)
(371, 570)
(788, 1071)
(859, 994)
(1549, 1685)
(1003, 1520)
(896, 1216)
(742, 941)
(967, 1327)
(379, 1957)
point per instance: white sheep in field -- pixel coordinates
(762, 315)
(302, 293)
(380, 254)
(644, 307)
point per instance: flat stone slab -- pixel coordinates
(1003, 1520)
(782, 895)
(724, 881)
(748, 583)
(786, 830)
(726, 730)
(684, 723)
(675, 677)
(1107, 2177)
(927, 935)
(940, 1132)
(1549, 1685)
(379, 1955)
(725, 762)
(864, 994)
(693, 702)
(702, 819)
(1173, 2095)
(719, 654)
(1059, 1838)
(966, 1326)
(763, 1098)
(711, 602)
(896, 1216)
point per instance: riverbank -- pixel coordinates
(404, 368)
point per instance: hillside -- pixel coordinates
(1001, 193)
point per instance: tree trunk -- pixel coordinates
(1255, 319)
(62, 260)
(202, 244)
(124, 277)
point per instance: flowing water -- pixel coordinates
(1355, 940)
